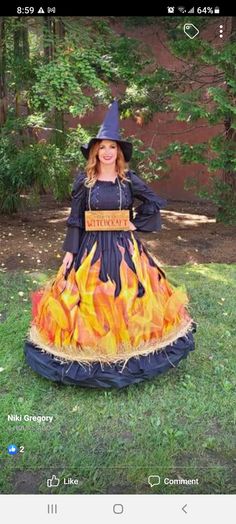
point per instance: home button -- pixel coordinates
(118, 509)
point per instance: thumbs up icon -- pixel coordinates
(53, 482)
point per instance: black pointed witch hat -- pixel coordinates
(109, 130)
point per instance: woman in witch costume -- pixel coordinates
(109, 318)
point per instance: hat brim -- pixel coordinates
(126, 147)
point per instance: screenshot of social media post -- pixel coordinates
(117, 254)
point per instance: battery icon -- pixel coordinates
(217, 10)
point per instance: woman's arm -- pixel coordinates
(75, 221)
(148, 213)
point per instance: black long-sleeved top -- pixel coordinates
(106, 195)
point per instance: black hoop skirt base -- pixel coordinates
(107, 376)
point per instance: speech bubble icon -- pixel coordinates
(154, 480)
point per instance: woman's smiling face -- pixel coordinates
(107, 152)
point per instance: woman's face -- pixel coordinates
(107, 152)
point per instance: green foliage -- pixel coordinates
(188, 106)
(127, 58)
(77, 78)
(212, 101)
(216, 154)
(144, 160)
(188, 153)
(9, 194)
(42, 165)
(148, 93)
(74, 139)
(29, 169)
(57, 88)
(224, 197)
(84, 66)
(74, 80)
(20, 65)
(224, 154)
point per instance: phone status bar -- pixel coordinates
(195, 10)
(67, 9)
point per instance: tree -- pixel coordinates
(202, 93)
(55, 67)
(3, 97)
(215, 103)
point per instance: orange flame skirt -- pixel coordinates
(80, 318)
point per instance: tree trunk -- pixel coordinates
(21, 56)
(227, 210)
(48, 38)
(3, 92)
(59, 138)
(25, 41)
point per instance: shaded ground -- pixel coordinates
(32, 239)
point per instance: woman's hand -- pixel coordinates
(67, 261)
(132, 226)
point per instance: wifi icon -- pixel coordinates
(182, 9)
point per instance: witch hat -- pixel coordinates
(109, 130)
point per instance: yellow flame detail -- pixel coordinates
(83, 311)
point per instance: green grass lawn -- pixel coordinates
(180, 425)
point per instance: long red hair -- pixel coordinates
(92, 166)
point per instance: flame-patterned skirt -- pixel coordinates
(114, 308)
